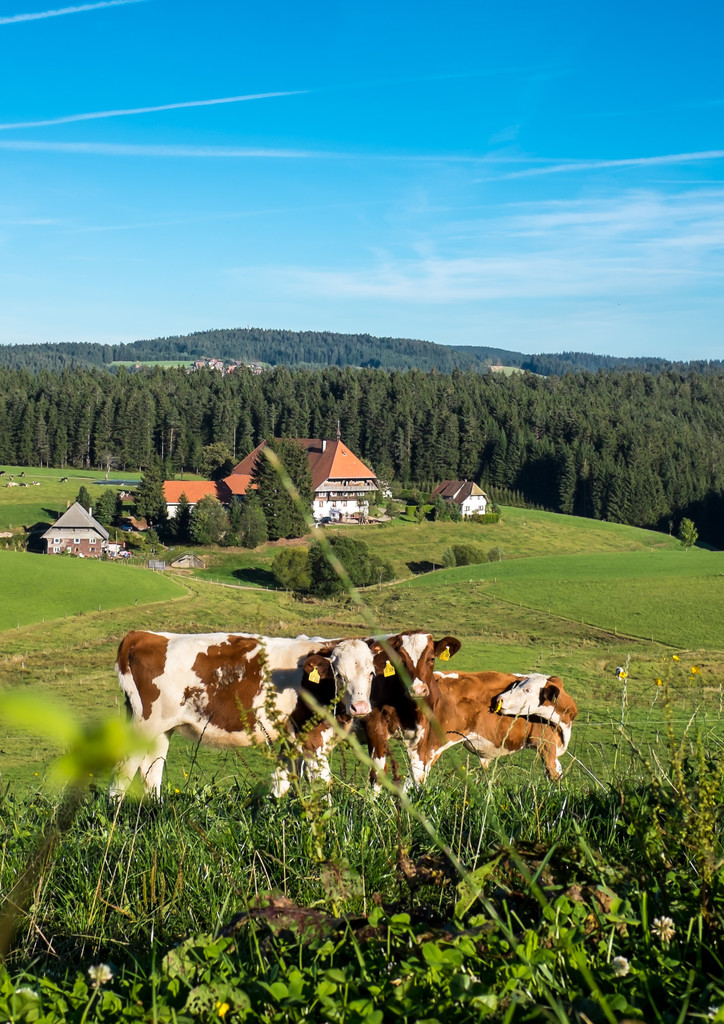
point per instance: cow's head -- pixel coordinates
(539, 695)
(412, 656)
(350, 666)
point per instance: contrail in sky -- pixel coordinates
(65, 10)
(99, 114)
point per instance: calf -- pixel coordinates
(226, 689)
(491, 713)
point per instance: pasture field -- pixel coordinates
(36, 587)
(488, 895)
(44, 503)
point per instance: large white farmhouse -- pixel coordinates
(342, 483)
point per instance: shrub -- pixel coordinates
(486, 519)
(469, 554)
(291, 568)
(209, 521)
(363, 568)
(495, 555)
(448, 558)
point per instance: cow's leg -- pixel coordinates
(317, 748)
(280, 781)
(377, 734)
(153, 764)
(548, 750)
(123, 775)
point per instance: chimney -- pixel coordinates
(67, 504)
(324, 446)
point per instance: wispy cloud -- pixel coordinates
(132, 149)
(624, 249)
(573, 166)
(38, 15)
(100, 114)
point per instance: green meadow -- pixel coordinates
(41, 588)
(46, 501)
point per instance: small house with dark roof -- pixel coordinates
(342, 483)
(464, 493)
(76, 532)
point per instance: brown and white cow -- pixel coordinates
(404, 663)
(491, 713)
(226, 689)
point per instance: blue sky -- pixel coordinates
(542, 177)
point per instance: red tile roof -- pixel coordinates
(194, 490)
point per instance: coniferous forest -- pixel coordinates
(628, 447)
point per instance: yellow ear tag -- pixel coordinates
(445, 656)
(498, 706)
(314, 675)
(389, 669)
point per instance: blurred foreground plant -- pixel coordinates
(91, 749)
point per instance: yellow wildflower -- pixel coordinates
(659, 682)
(695, 670)
(675, 657)
(177, 790)
(222, 1009)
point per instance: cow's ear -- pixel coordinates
(382, 664)
(551, 691)
(317, 668)
(447, 648)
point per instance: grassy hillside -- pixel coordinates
(414, 548)
(36, 587)
(25, 506)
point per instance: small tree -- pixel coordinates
(150, 499)
(216, 460)
(106, 506)
(181, 522)
(688, 533)
(363, 568)
(440, 509)
(448, 558)
(83, 498)
(252, 524)
(291, 569)
(209, 521)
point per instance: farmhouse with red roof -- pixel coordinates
(342, 483)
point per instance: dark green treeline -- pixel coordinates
(627, 447)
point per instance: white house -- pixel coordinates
(466, 494)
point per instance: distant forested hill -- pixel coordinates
(315, 349)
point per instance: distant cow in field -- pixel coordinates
(490, 713)
(64, 479)
(12, 483)
(228, 689)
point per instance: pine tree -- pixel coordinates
(150, 499)
(181, 522)
(285, 516)
(252, 524)
(83, 498)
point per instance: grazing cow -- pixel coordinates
(491, 713)
(226, 689)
